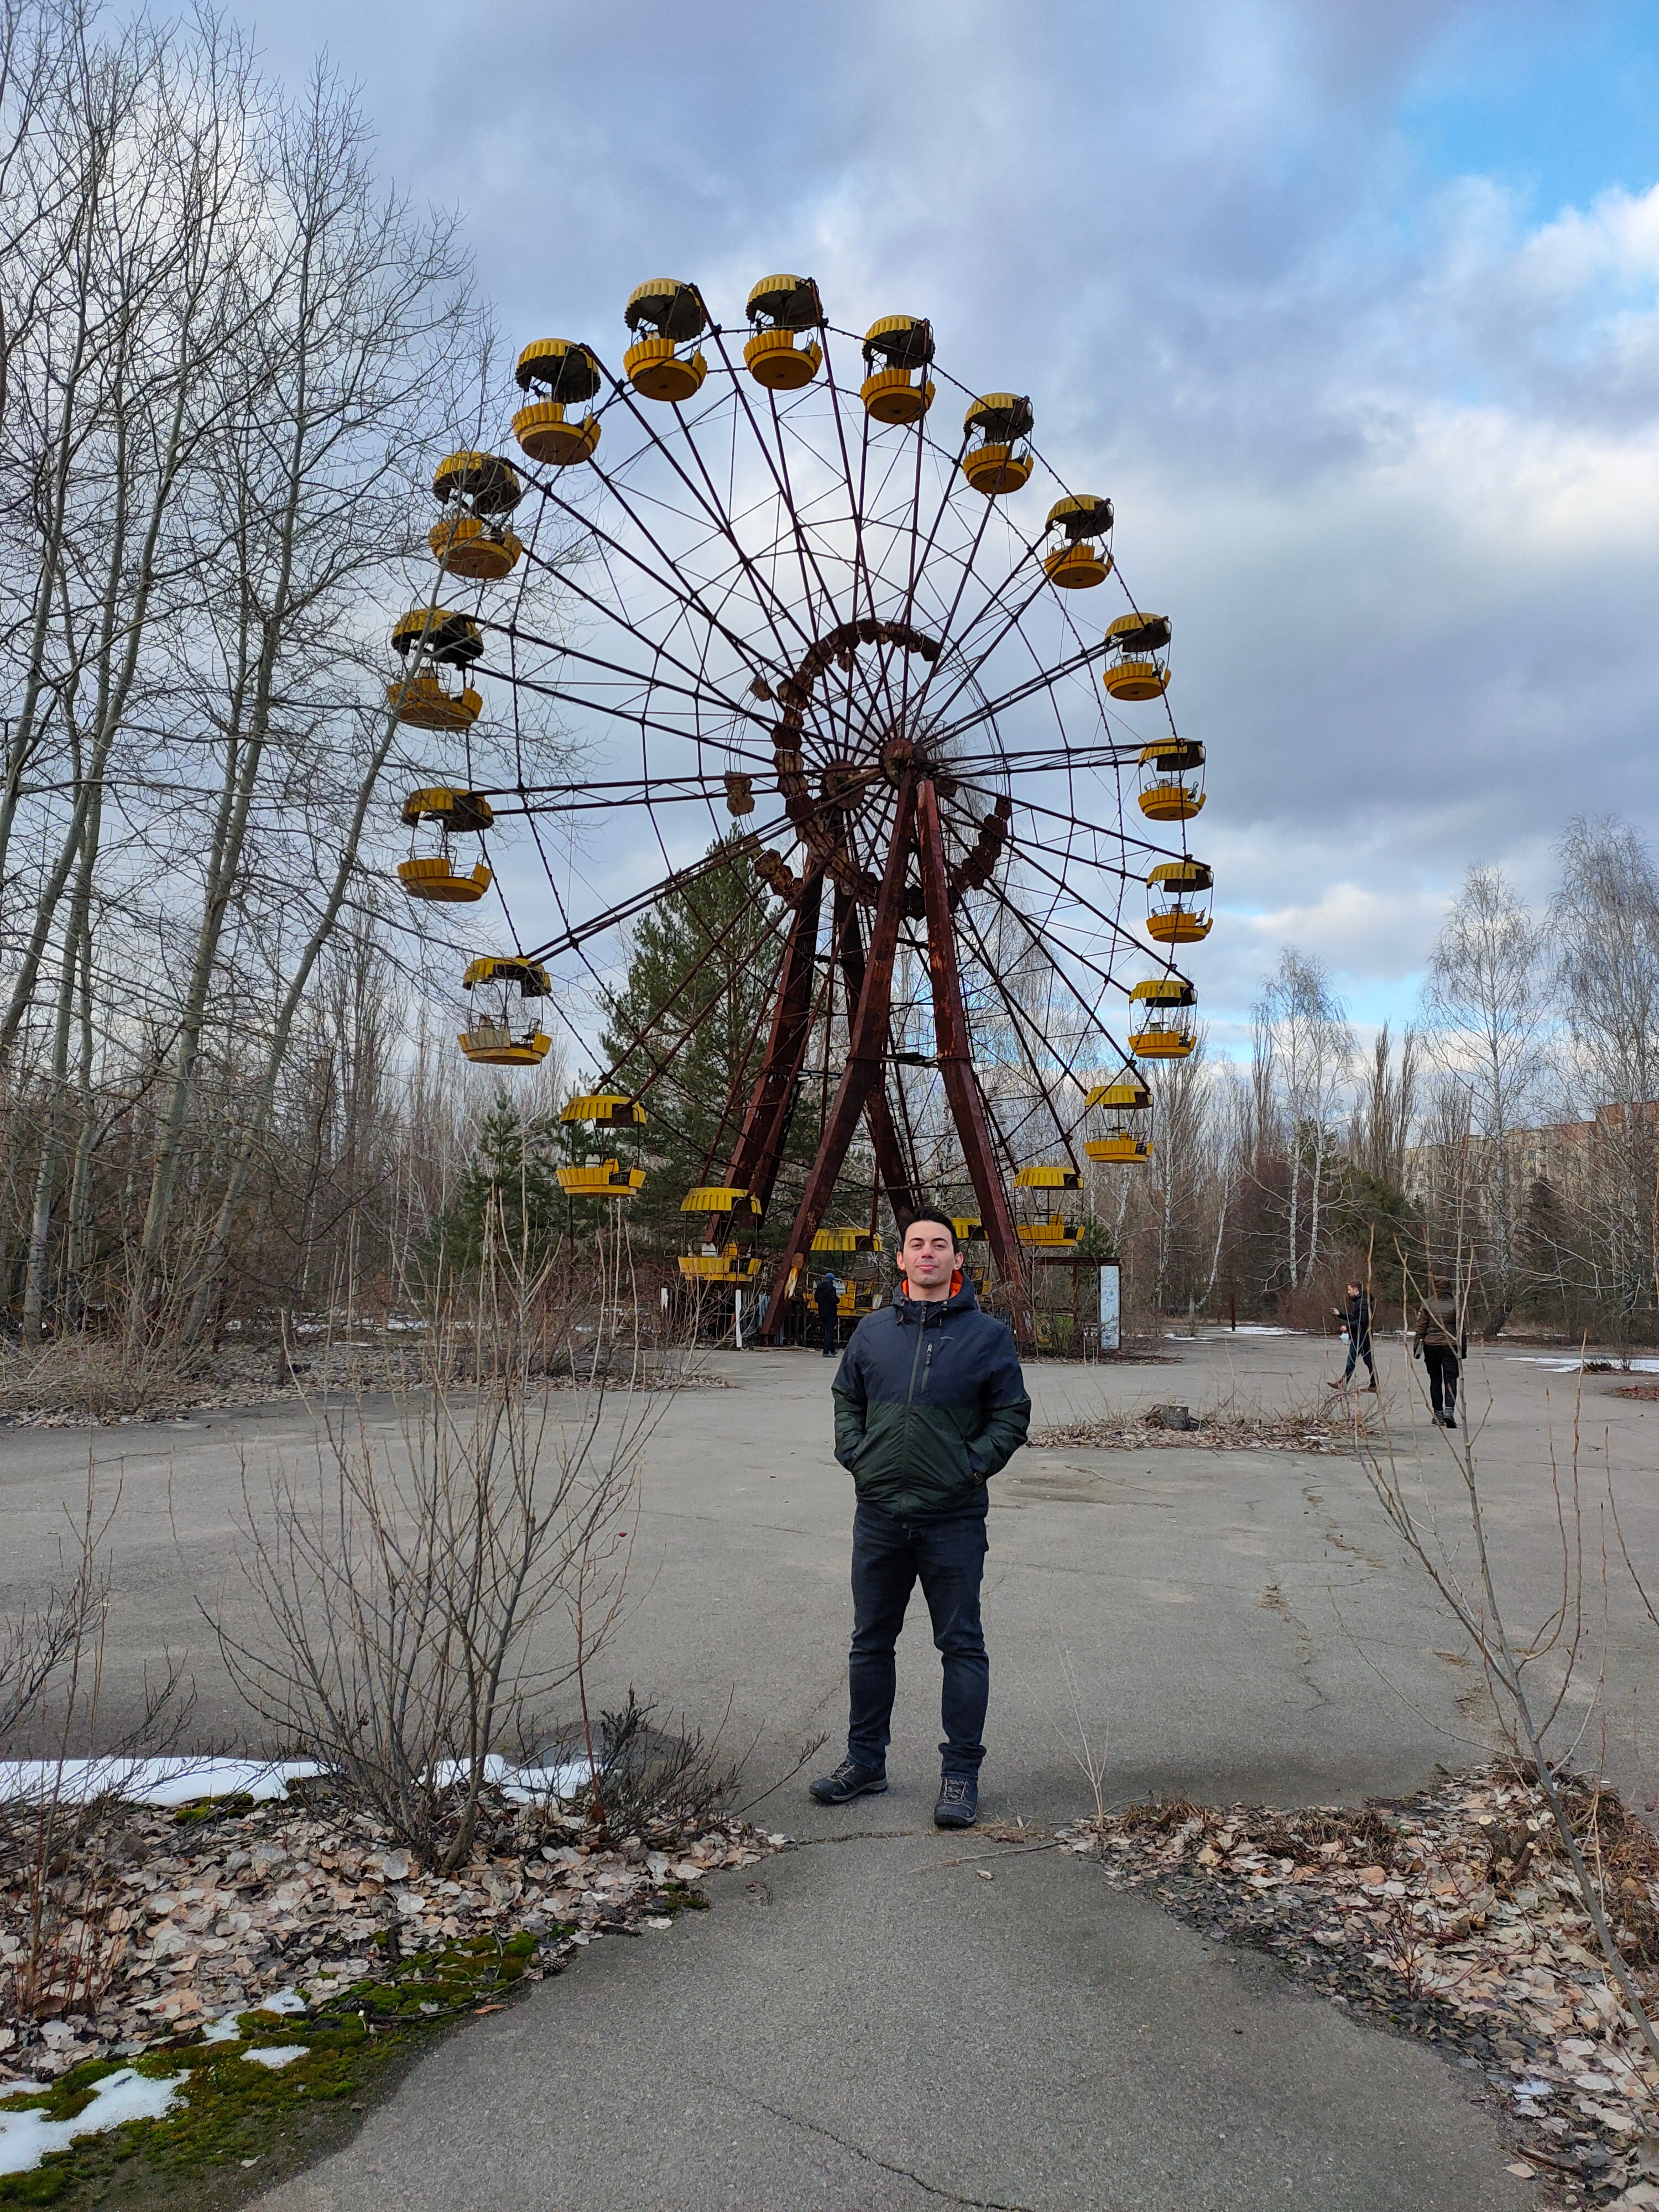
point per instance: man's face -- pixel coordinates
(1353, 1290)
(929, 1256)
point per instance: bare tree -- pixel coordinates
(1303, 1051)
(1484, 1007)
(1604, 925)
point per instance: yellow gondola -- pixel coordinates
(671, 312)
(605, 1109)
(1139, 668)
(780, 307)
(449, 640)
(1121, 1105)
(1168, 1027)
(728, 1267)
(610, 1179)
(1056, 1177)
(430, 872)
(721, 1197)
(1052, 1231)
(1082, 559)
(969, 1229)
(846, 1240)
(999, 460)
(560, 374)
(1185, 917)
(492, 1039)
(1170, 788)
(902, 344)
(474, 541)
(739, 795)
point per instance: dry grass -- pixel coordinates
(1325, 1421)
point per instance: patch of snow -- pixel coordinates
(525, 1785)
(284, 2001)
(1559, 1366)
(26, 2137)
(277, 2054)
(181, 1780)
(167, 1782)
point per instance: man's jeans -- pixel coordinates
(1360, 1348)
(890, 1552)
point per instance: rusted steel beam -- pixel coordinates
(759, 1150)
(867, 1047)
(884, 1134)
(954, 1044)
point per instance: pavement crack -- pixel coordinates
(856, 1836)
(857, 2151)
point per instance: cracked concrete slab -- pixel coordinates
(875, 2028)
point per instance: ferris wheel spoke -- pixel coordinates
(591, 599)
(670, 584)
(778, 464)
(780, 610)
(694, 689)
(1018, 1023)
(1028, 687)
(968, 675)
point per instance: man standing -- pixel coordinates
(1357, 1323)
(929, 1403)
(827, 1299)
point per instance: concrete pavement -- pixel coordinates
(867, 2026)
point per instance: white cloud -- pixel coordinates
(1388, 455)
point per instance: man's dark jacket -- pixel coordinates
(1359, 1318)
(929, 1401)
(826, 1297)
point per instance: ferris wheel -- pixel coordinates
(823, 610)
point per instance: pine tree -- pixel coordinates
(509, 1195)
(690, 1023)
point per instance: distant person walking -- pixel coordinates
(1441, 1346)
(827, 1299)
(929, 1403)
(1357, 1320)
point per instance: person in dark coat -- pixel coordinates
(827, 1299)
(1358, 1321)
(1441, 1345)
(930, 1403)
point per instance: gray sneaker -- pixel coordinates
(849, 1780)
(958, 1802)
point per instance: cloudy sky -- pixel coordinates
(1351, 307)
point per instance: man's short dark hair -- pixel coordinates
(909, 1221)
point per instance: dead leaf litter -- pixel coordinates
(1456, 1914)
(211, 1919)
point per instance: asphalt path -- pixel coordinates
(865, 2020)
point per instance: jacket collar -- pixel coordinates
(961, 1300)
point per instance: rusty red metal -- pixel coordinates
(891, 1164)
(866, 1053)
(954, 1050)
(759, 1149)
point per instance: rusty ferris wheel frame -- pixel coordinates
(780, 604)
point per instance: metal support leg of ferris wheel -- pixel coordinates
(765, 1130)
(879, 1107)
(862, 1081)
(954, 1050)
(866, 1054)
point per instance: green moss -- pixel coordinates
(234, 2109)
(214, 1809)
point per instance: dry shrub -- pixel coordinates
(419, 1602)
